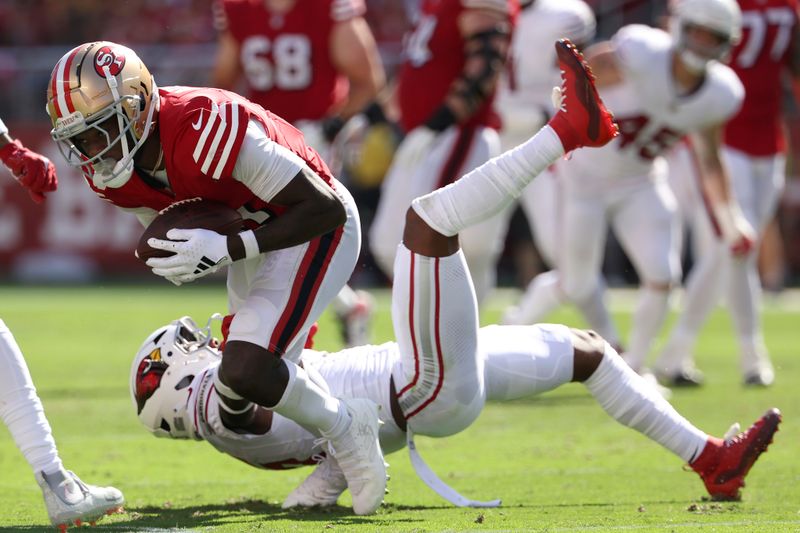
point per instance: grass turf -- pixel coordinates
(557, 461)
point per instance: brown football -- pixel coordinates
(188, 214)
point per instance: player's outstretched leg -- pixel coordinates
(525, 361)
(70, 501)
(67, 499)
(582, 120)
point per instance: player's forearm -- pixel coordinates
(298, 224)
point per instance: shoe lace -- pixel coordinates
(732, 434)
(558, 95)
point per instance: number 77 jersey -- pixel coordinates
(651, 112)
(759, 59)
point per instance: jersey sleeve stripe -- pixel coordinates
(232, 135)
(198, 149)
(212, 150)
(499, 6)
(342, 10)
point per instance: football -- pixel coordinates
(188, 214)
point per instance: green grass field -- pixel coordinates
(557, 461)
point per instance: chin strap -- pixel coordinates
(438, 486)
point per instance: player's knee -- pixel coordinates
(420, 238)
(578, 290)
(589, 348)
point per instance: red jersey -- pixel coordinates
(286, 57)
(201, 133)
(434, 58)
(758, 59)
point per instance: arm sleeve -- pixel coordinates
(263, 165)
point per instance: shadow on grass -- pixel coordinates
(154, 518)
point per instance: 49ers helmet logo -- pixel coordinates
(108, 57)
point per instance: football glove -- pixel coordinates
(198, 252)
(736, 230)
(33, 171)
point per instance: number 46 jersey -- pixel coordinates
(285, 56)
(651, 113)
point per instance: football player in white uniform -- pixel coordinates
(172, 385)
(68, 499)
(438, 385)
(661, 88)
(524, 103)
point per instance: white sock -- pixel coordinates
(542, 297)
(487, 190)
(648, 318)
(633, 402)
(21, 409)
(306, 403)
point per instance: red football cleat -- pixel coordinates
(723, 464)
(582, 119)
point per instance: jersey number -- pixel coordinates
(650, 146)
(283, 63)
(757, 22)
(417, 50)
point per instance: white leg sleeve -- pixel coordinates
(435, 317)
(308, 404)
(651, 311)
(491, 187)
(633, 402)
(21, 409)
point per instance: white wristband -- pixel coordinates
(3, 128)
(250, 244)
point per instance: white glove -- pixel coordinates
(415, 146)
(198, 252)
(736, 230)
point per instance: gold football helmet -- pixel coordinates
(91, 84)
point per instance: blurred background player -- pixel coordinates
(68, 499)
(315, 63)
(446, 84)
(754, 152)
(524, 103)
(143, 148)
(661, 88)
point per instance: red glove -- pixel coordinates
(33, 171)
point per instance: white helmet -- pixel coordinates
(722, 17)
(164, 367)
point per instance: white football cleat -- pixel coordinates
(359, 455)
(355, 322)
(321, 488)
(70, 501)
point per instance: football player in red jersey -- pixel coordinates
(315, 63)
(143, 148)
(754, 152)
(67, 498)
(453, 59)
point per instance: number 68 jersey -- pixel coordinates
(652, 115)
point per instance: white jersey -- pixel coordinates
(651, 114)
(523, 96)
(365, 372)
